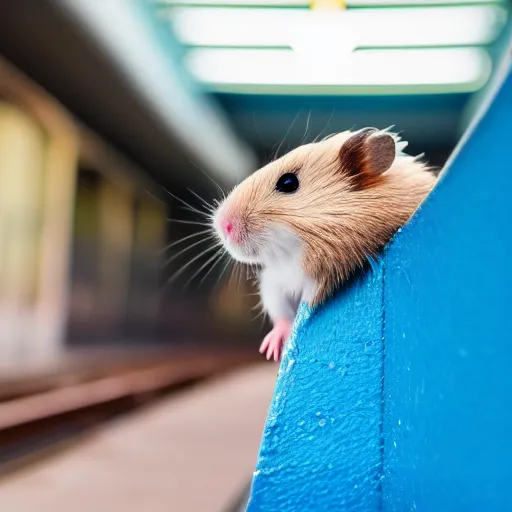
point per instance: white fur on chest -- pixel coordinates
(283, 282)
(288, 276)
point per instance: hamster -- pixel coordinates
(313, 217)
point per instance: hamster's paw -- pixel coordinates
(275, 339)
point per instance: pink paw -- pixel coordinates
(275, 339)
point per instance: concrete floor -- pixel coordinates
(190, 453)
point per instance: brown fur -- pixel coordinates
(343, 211)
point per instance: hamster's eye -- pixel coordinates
(288, 183)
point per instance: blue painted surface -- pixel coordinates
(448, 335)
(322, 440)
(412, 361)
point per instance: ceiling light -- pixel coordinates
(433, 26)
(282, 70)
(307, 3)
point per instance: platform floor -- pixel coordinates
(193, 452)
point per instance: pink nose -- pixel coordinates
(227, 226)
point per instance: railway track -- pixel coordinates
(39, 418)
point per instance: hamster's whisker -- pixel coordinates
(192, 222)
(217, 254)
(207, 216)
(254, 269)
(240, 278)
(276, 155)
(261, 313)
(257, 306)
(325, 127)
(153, 196)
(256, 129)
(195, 258)
(177, 242)
(228, 262)
(182, 201)
(251, 294)
(179, 253)
(232, 274)
(223, 194)
(235, 275)
(204, 215)
(215, 263)
(251, 271)
(206, 204)
(304, 137)
(264, 316)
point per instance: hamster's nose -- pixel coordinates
(227, 227)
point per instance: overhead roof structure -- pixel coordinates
(295, 69)
(362, 47)
(152, 76)
(115, 68)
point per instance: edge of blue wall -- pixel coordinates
(392, 396)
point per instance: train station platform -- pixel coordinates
(193, 451)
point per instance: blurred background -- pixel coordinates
(120, 121)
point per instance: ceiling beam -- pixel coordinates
(111, 65)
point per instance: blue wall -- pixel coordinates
(448, 334)
(395, 396)
(333, 365)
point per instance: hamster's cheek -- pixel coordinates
(281, 243)
(243, 253)
(217, 220)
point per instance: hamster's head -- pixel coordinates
(333, 201)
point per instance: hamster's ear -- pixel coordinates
(366, 155)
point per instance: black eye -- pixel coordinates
(288, 183)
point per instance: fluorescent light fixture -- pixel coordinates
(282, 70)
(242, 3)
(306, 3)
(424, 3)
(398, 27)
(234, 27)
